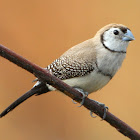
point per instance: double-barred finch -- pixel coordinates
(89, 65)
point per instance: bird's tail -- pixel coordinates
(39, 89)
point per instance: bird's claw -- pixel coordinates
(83, 98)
(105, 108)
(91, 114)
(74, 101)
(105, 111)
(85, 94)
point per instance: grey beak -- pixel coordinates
(128, 36)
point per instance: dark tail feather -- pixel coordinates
(40, 89)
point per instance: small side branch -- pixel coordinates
(45, 76)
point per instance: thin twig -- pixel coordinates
(45, 76)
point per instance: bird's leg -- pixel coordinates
(85, 94)
(103, 106)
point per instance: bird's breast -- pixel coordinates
(109, 62)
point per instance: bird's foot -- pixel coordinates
(105, 110)
(91, 114)
(85, 94)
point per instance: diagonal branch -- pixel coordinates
(91, 105)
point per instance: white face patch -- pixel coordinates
(112, 39)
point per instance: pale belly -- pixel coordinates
(89, 83)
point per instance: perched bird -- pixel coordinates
(88, 66)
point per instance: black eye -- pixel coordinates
(116, 32)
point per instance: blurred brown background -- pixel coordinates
(41, 30)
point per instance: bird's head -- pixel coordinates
(116, 37)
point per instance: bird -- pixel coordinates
(88, 66)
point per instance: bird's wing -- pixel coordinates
(66, 69)
(74, 63)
